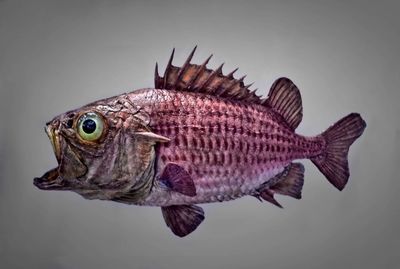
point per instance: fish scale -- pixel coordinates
(213, 138)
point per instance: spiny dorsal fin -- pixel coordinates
(197, 78)
(284, 97)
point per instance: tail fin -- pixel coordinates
(339, 137)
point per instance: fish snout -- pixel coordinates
(52, 131)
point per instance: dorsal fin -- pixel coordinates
(197, 78)
(284, 97)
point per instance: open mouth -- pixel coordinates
(52, 133)
(70, 164)
(51, 180)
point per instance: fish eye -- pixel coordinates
(90, 126)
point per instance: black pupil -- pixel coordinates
(89, 126)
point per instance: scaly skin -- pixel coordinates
(229, 148)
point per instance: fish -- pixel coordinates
(198, 136)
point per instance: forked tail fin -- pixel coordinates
(339, 137)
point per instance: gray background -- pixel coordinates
(343, 55)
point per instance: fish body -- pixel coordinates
(197, 137)
(227, 147)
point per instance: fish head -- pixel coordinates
(102, 148)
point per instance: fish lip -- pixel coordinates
(50, 181)
(53, 135)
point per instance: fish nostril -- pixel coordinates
(69, 123)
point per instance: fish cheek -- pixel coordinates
(71, 167)
(131, 160)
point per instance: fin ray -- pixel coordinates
(284, 97)
(182, 219)
(289, 182)
(333, 161)
(292, 182)
(177, 179)
(198, 78)
(268, 195)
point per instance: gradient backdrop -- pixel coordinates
(343, 55)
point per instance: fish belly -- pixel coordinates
(216, 183)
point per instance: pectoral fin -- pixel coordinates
(182, 219)
(177, 179)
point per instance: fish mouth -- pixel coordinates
(70, 164)
(53, 135)
(51, 180)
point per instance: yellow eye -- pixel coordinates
(90, 126)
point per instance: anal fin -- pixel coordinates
(268, 195)
(177, 179)
(292, 183)
(289, 182)
(182, 219)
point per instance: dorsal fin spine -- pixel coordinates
(228, 87)
(242, 78)
(218, 88)
(249, 85)
(167, 69)
(230, 75)
(156, 77)
(201, 69)
(254, 91)
(211, 76)
(198, 78)
(185, 65)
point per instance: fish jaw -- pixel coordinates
(50, 181)
(52, 133)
